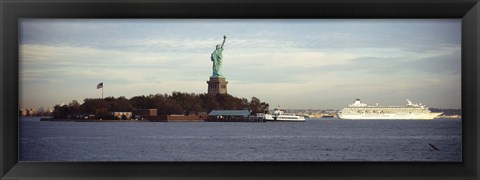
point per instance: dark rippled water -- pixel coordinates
(313, 140)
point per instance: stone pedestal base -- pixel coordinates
(217, 85)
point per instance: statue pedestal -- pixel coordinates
(217, 85)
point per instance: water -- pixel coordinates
(313, 140)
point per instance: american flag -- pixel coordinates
(100, 85)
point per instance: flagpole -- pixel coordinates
(102, 92)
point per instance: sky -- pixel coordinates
(291, 63)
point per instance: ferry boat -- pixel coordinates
(360, 111)
(280, 115)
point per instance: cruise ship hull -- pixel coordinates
(359, 110)
(389, 116)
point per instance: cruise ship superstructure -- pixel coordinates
(359, 110)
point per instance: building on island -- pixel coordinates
(182, 118)
(233, 116)
(122, 115)
(144, 114)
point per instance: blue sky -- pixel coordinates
(318, 64)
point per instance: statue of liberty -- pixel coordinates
(217, 59)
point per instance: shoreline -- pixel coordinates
(89, 120)
(114, 120)
(178, 120)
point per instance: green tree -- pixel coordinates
(91, 106)
(142, 102)
(209, 102)
(176, 103)
(74, 109)
(60, 111)
(121, 104)
(257, 106)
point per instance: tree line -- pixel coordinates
(166, 104)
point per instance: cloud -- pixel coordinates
(296, 63)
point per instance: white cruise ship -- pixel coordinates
(280, 115)
(359, 110)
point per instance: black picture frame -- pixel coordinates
(12, 10)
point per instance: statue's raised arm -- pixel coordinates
(224, 38)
